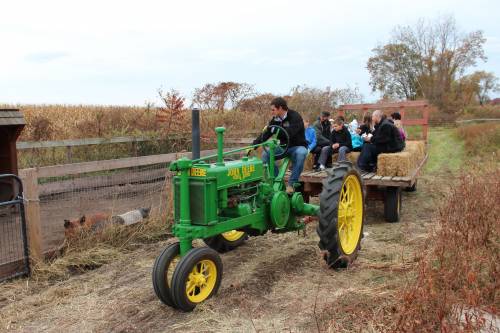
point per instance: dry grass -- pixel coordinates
(458, 276)
(87, 250)
(481, 139)
(59, 122)
(485, 111)
(62, 122)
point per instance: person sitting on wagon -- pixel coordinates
(366, 127)
(385, 139)
(396, 118)
(357, 140)
(340, 143)
(310, 135)
(292, 123)
(323, 133)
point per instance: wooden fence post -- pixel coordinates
(69, 154)
(32, 206)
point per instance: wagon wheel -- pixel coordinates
(412, 188)
(283, 146)
(227, 241)
(163, 271)
(196, 278)
(392, 204)
(341, 215)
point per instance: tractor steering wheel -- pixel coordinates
(284, 147)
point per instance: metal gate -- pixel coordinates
(14, 254)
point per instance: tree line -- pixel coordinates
(433, 60)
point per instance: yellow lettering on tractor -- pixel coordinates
(234, 173)
(197, 172)
(246, 171)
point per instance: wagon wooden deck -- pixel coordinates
(376, 187)
(369, 178)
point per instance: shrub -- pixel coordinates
(457, 282)
(480, 139)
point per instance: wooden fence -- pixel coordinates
(421, 106)
(31, 176)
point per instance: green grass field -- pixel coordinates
(446, 151)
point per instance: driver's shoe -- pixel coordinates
(289, 189)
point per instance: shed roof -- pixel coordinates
(11, 117)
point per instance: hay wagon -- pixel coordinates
(396, 172)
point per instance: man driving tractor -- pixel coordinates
(292, 123)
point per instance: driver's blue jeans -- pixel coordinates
(297, 155)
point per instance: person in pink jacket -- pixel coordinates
(396, 118)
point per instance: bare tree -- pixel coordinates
(223, 95)
(259, 104)
(311, 101)
(172, 111)
(393, 70)
(487, 83)
(438, 53)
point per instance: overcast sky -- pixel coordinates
(121, 52)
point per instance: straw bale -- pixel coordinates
(352, 157)
(394, 164)
(309, 162)
(403, 163)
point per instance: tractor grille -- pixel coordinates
(202, 201)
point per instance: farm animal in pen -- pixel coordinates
(93, 223)
(96, 223)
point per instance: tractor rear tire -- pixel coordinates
(392, 204)
(227, 241)
(163, 270)
(341, 216)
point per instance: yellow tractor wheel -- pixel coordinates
(227, 241)
(340, 227)
(163, 271)
(196, 278)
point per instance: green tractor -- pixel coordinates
(224, 202)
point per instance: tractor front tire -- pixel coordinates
(197, 277)
(227, 241)
(341, 215)
(163, 271)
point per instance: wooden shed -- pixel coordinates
(11, 124)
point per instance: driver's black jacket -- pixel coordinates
(293, 125)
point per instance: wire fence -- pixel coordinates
(11, 244)
(105, 193)
(13, 233)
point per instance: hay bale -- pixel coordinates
(394, 164)
(309, 162)
(417, 151)
(401, 164)
(351, 157)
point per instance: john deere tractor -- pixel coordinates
(225, 202)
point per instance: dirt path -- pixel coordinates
(273, 283)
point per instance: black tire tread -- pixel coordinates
(327, 226)
(182, 271)
(162, 291)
